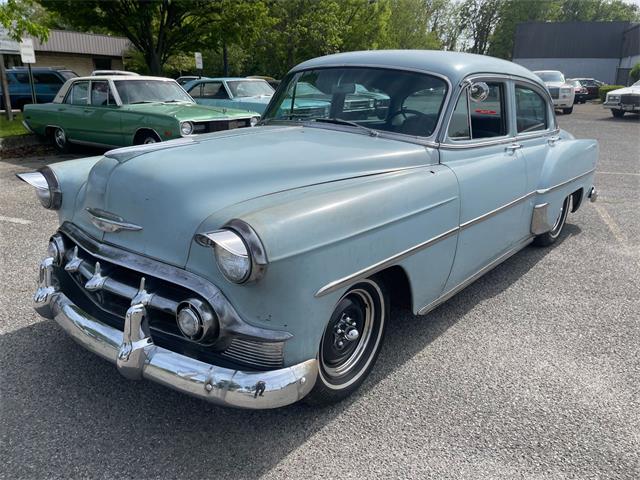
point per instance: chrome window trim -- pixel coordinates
(429, 140)
(452, 144)
(387, 262)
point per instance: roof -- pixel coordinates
(122, 77)
(229, 79)
(63, 41)
(453, 65)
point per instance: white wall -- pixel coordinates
(603, 69)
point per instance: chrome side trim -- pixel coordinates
(542, 191)
(495, 211)
(110, 222)
(26, 125)
(593, 194)
(539, 223)
(376, 267)
(469, 280)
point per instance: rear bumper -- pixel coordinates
(136, 356)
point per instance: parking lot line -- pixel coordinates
(618, 173)
(612, 225)
(19, 221)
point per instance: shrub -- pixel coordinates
(634, 74)
(603, 90)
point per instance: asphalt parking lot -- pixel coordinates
(531, 372)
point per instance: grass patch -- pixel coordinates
(8, 129)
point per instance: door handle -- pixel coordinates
(513, 147)
(553, 140)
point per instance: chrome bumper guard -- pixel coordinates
(136, 356)
(593, 194)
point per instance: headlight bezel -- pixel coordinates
(247, 240)
(190, 130)
(46, 185)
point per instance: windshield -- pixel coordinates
(149, 91)
(250, 88)
(550, 76)
(637, 84)
(380, 99)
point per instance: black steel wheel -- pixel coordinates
(552, 235)
(618, 113)
(351, 342)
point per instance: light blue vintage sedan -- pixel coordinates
(256, 267)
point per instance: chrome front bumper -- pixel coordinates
(136, 356)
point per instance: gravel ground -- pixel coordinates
(532, 372)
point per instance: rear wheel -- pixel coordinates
(351, 342)
(617, 112)
(552, 235)
(145, 138)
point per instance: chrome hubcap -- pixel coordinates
(557, 226)
(149, 140)
(60, 137)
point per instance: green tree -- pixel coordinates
(157, 28)
(408, 27)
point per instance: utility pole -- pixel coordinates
(5, 89)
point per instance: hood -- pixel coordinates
(185, 111)
(169, 189)
(626, 90)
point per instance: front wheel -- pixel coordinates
(351, 342)
(552, 235)
(567, 111)
(617, 112)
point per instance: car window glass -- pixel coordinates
(488, 116)
(48, 78)
(407, 103)
(531, 110)
(101, 94)
(22, 77)
(250, 88)
(214, 90)
(459, 128)
(78, 94)
(196, 91)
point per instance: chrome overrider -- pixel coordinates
(136, 356)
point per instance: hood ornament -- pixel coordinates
(110, 222)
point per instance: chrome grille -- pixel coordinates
(267, 355)
(220, 125)
(630, 99)
(357, 105)
(555, 92)
(88, 280)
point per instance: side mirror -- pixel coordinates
(479, 91)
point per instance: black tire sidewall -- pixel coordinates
(325, 392)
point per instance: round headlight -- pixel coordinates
(55, 249)
(189, 322)
(232, 257)
(254, 121)
(186, 128)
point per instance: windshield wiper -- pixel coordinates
(141, 101)
(340, 121)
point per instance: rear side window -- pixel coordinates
(78, 94)
(196, 92)
(213, 90)
(531, 110)
(481, 117)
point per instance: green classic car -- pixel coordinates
(115, 111)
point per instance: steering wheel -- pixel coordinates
(427, 123)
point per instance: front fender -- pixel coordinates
(315, 235)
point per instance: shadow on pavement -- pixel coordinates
(68, 413)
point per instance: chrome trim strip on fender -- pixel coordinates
(542, 191)
(110, 222)
(469, 280)
(376, 267)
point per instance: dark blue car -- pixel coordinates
(47, 82)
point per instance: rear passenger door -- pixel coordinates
(480, 148)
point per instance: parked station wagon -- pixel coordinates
(120, 110)
(256, 267)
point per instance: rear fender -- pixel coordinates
(569, 166)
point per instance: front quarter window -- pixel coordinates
(385, 100)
